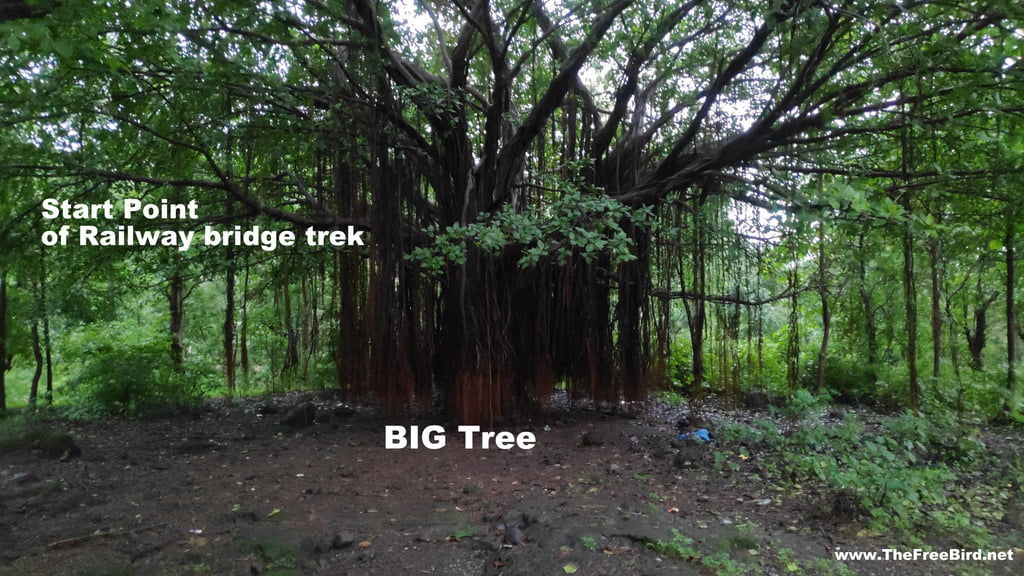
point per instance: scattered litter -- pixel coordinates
(700, 435)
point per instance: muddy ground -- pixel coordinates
(231, 490)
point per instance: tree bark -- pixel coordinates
(907, 161)
(826, 313)
(228, 332)
(793, 331)
(1011, 315)
(698, 317)
(868, 306)
(37, 354)
(291, 354)
(910, 310)
(229, 323)
(243, 337)
(5, 362)
(176, 301)
(44, 312)
(936, 310)
(977, 339)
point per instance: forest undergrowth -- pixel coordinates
(936, 473)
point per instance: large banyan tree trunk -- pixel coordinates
(493, 336)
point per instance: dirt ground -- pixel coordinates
(231, 490)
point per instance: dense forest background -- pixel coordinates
(608, 197)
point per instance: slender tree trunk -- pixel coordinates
(954, 347)
(826, 313)
(176, 300)
(910, 308)
(5, 362)
(291, 358)
(229, 255)
(37, 351)
(793, 335)
(907, 161)
(229, 323)
(228, 331)
(37, 354)
(760, 318)
(304, 322)
(868, 305)
(44, 313)
(698, 319)
(977, 339)
(243, 339)
(1011, 315)
(48, 352)
(936, 309)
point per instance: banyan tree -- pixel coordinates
(521, 164)
(531, 175)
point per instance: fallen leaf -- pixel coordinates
(365, 544)
(569, 568)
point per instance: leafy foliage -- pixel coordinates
(556, 195)
(132, 379)
(576, 224)
(909, 475)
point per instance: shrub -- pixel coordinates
(851, 380)
(802, 404)
(131, 379)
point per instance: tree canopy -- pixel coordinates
(549, 191)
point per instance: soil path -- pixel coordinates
(229, 491)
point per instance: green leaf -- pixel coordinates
(63, 48)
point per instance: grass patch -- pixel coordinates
(679, 547)
(278, 559)
(24, 432)
(467, 532)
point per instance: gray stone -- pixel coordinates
(343, 540)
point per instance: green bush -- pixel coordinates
(131, 379)
(897, 476)
(851, 380)
(802, 405)
(976, 396)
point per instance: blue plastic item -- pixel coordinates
(701, 434)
